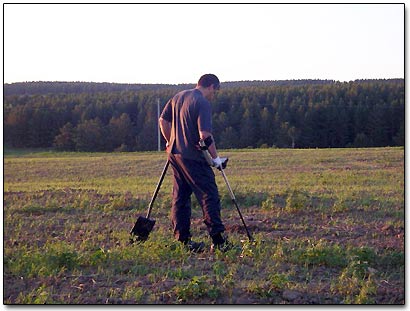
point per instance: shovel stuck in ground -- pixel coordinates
(144, 225)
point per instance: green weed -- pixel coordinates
(36, 296)
(341, 205)
(268, 204)
(56, 259)
(220, 270)
(133, 293)
(320, 253)
(259, 289)
(355, 284)
(197, 287)
(297, 201)
(278, 281)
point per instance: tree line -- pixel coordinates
(80, 116)
(57, 87)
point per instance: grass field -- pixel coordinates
(329, 225)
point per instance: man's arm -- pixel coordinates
(212, 148)
(165, 127)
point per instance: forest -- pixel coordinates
(84, 116)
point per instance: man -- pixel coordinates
(185, 120)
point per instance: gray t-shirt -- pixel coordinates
(192, 113)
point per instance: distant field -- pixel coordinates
(329, 225)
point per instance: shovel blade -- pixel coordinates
(142, 228)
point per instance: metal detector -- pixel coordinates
(208, 158)
(251, 239)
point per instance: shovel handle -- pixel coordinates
(154, 196)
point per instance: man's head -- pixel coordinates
(208, 84)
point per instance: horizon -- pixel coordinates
(187, 83)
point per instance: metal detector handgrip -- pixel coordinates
(206, 153)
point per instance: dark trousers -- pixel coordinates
(196, 177)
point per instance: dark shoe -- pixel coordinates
(220, 242)
(196, 247)
(224, 247)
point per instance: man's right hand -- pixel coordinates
(221, 163)
(217, 162)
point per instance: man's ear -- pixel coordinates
(210, 89)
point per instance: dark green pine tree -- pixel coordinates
(65, 141)
(91, 135)
(120, 133)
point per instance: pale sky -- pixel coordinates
(168, 43)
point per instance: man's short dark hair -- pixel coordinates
(208, 79)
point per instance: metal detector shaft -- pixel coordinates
(236, 205)
(154, 196)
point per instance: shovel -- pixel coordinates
(143, 226)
